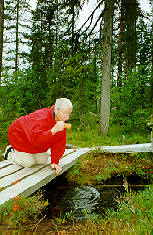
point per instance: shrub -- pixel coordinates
(20, 210)
(135, 211)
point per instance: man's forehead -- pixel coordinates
(68, 109)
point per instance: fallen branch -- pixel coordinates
(38, 223)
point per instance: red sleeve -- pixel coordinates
(58, 149)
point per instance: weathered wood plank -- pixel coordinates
(4, 163)
(31, 183)
(9, 170)
(125, 148)
(24, 172)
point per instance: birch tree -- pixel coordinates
(106, 44)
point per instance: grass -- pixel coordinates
(96, 167)
(135, 211)
(89, 137)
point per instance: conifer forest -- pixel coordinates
(98, 54)
(104, 66)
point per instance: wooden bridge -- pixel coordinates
(16, 180)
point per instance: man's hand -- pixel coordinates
(59, 126)
(57, 167)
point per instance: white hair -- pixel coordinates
(63, 103)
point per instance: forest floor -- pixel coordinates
(90, 169)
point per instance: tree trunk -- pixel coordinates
(152, 65)
(131, 16)
(106, 66)
(120, 45)
(73, 18)
(17, 38)
(1, 34)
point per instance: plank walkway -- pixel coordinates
(16, 180)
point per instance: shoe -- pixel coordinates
(7, 150)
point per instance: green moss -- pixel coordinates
(95, 167)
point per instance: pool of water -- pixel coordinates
(81, 201)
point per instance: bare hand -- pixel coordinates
(59, 126)
(57, 167)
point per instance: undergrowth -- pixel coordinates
(135, 212)
(95, 167)
(18, 211)
(90, 137)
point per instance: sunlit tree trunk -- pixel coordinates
(1, 34)
(106, 66)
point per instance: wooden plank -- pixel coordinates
(9, 179)
(67, 151)
(31, 183)
(4, 163)
(125, 148)
(24, 172)
(9, 170)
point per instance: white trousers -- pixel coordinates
(27, 159)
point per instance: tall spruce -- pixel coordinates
(72, 9)
(45, 39)
(16, 34)
(120, 44)
(106, 44)
(151, 97)
(130, 37)
(1, 34)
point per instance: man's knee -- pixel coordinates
(25, 159)
(28, 163)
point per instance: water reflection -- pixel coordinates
(81, 200)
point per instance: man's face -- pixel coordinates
(63, 114)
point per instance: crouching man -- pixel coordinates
(32, 135)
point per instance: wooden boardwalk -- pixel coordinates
(16, 180)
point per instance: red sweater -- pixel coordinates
(32, 134)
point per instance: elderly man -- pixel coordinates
(32, 135)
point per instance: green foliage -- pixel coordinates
(73, 78)
(135, 211)
(20, 95)
(131, 106)
(18, 211)
(89, 136)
